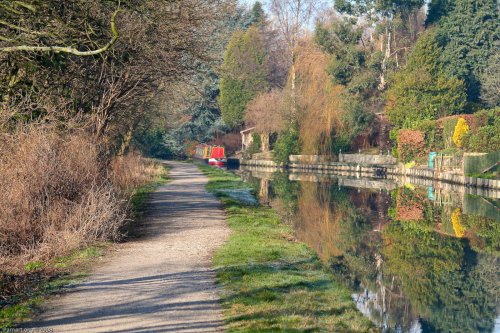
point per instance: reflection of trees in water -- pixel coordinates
(477, 223)
(284, 195)
(411, 270)
(329, 222)
(452, 288)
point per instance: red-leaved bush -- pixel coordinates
(411, 145)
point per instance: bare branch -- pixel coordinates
(64, 49)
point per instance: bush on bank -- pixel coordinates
(61, 192)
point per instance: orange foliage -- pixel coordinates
(317, 225)
(266, 112)
(318, 99)
(411, 144)
(409, 208)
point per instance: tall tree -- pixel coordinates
(110, 92)
(392, 18)
(266, 113)
(245, 73)
(258, 15)
(423, 90)
(490, 82)
(469, 32)
(292, 18)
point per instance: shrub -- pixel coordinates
(132, 171)
(485, 136)
(286, 145)
(254, 146)
(461, 129)
(58, 195)
(411, 145)
(433, 134)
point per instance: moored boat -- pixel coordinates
(217, 156)
(213, 155)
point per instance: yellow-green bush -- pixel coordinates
(461, 129)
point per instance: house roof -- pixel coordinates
(247, 130)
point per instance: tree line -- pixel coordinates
(366, 72)
(84, 84)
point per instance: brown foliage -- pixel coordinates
(319, 223)
(131, 171)
(57, 195)
(409, 207)
(318, 100)
(266, 112)
(411, 144)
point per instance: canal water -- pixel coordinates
(416, 259)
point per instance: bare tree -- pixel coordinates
(293, 17)
(266, 113)
(160, 43)
(19, 28)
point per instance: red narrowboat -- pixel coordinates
(213, 155)
(218, 157)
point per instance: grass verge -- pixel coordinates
(271, 283)
(44, 279)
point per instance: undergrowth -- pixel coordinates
(62, 202)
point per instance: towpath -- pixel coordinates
(161, 282)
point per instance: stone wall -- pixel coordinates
(448, 177)
(268, 155)
(367, 159)
(259, 163)
(311, 158)
(373, 166)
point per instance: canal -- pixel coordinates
(417, 259)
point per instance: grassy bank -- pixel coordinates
(42, 280)
(270, 281)
(21, 294)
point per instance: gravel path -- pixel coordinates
(162, 282)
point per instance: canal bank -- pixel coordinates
(416, 259)
(270, 281)
(444, 169)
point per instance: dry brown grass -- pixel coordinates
(57, 194)
(131, 171)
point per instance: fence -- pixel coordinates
(476, 163)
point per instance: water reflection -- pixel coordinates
(417, 259)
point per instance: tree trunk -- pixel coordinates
(264, 190)
(264, 139)
(127, 139)
(294, 80)
(387, 56)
